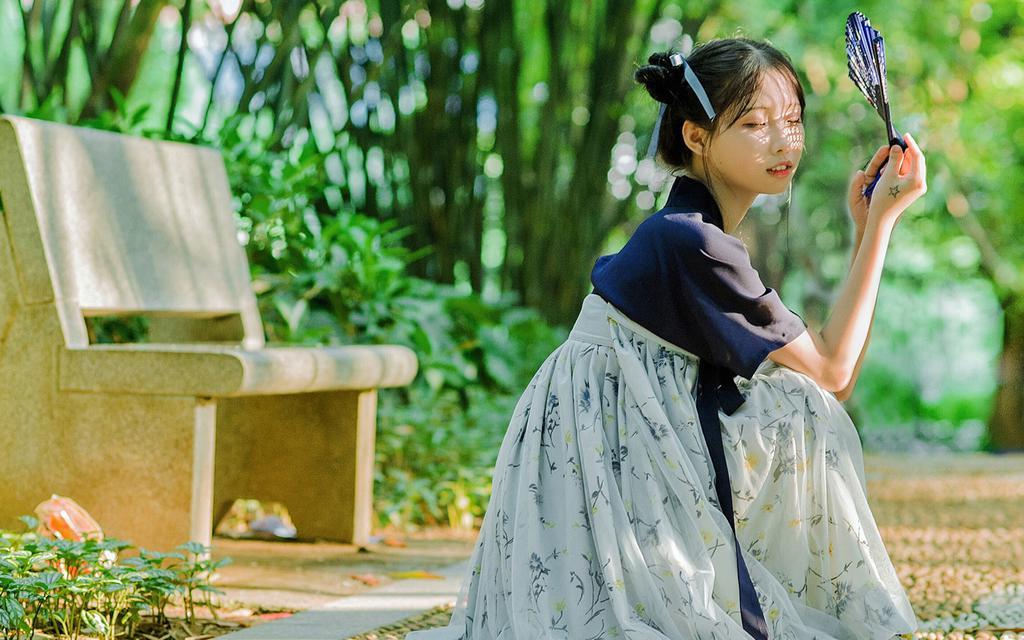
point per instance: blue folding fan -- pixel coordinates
(865, 57)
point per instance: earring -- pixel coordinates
(789, 201)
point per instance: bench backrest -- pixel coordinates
(109, 224)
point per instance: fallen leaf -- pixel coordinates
(411, 575)
(367, 579)
(238, 613)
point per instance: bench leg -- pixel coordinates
(313, 452)
(141, 465)
(204, 438)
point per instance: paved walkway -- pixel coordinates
(340, 590)
(354, 615)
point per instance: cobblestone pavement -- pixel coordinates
(954, 527)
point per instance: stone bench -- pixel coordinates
(155, 439)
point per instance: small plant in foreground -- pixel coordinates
(67, 588)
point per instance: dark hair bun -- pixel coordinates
(659, 77)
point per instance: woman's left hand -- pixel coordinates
(858, 182)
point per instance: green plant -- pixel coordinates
(156, 584)
(194, 575)
(70, 587)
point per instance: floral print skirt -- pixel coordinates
(604, 523)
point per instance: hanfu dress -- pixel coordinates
(662, 479)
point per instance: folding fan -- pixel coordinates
(865, 57)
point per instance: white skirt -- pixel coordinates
(603, 520)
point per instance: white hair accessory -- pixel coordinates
(677, 59)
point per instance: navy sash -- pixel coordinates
(716, 388)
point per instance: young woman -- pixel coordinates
(681, 467)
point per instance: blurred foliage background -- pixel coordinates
(443, 174)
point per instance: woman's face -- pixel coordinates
(772, 132)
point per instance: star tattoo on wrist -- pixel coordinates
(894, 190)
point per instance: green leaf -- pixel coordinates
(94, 621)
(194, 547)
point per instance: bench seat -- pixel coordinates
(221, 371)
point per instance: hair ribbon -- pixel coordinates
(677, 59)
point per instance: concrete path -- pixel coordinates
(353, 615)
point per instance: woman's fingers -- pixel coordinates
(876, 161)
(906, 162)
(895, 159)
(905, 180)
(912, 165)
(918, 157)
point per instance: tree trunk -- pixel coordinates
(124, 57)
(1005, 430)
(570, 203)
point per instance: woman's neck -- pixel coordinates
(733, 205)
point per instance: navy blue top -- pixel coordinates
(685, 279)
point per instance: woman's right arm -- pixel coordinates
(830, 357)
